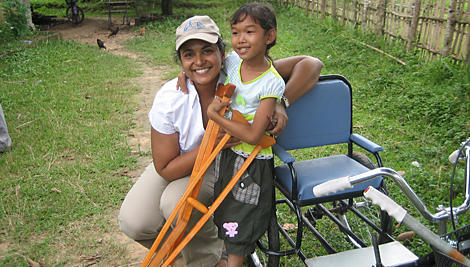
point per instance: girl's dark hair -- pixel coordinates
(263, 14)
(220, 45)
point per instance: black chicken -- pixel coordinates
(100, 43)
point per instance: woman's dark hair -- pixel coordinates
(220, 45)
(262, 14)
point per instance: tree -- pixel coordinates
(28, 12)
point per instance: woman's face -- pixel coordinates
(201, 61)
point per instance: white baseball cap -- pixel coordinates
(197, 27)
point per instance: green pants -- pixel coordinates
(241, 218)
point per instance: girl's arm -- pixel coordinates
(167, 159)
(250, 134)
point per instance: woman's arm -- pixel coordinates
(167, 159)
(301, 74)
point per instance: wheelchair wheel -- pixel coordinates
(364, 160)
(269, 240)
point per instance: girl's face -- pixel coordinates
(202, 62)
(249, 40)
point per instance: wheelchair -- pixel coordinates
(323, 118)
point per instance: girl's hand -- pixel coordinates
(282, 119)
(181, 83)
(215, 107)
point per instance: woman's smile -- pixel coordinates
(202, 71)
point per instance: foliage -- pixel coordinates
(461, 74)
(16, 24)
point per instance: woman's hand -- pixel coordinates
(181, 83)
(232, 141)
(282, 119)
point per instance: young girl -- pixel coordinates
(241, 218)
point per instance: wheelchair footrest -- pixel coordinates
(392, 254)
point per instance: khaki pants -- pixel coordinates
(152, 199)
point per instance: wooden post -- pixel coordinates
(364, 14)
(307, 5)
(467, 49)
(333, 9)
(414, 25)
(1, 12)
(323, 8)
(450, 27)
(354, 17)
(380, 17)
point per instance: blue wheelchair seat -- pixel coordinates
(317, 171)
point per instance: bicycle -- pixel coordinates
(458, 239)
(74, 13)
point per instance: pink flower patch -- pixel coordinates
(231, 229)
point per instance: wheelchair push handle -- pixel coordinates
(385, 203)
(459, 154)
(400, 214)
(339, 184)
(332, 186)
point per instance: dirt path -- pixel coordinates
(150, 81)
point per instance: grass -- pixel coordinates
(67, 107)
(68, 143)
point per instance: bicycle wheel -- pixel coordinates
(76, 17)
(269, 240)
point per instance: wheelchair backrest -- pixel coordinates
(321, 117)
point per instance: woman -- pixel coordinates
(178, 119)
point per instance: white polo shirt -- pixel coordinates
(175, 112)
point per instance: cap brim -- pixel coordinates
(208, 37)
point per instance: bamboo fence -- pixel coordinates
(435, 27)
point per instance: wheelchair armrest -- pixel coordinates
(282, 154)
(365, 143)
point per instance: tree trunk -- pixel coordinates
(167, 7)
(28, 13)
(450, 27)
(414, 26)
(381, 7)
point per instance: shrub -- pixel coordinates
(16, 24)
